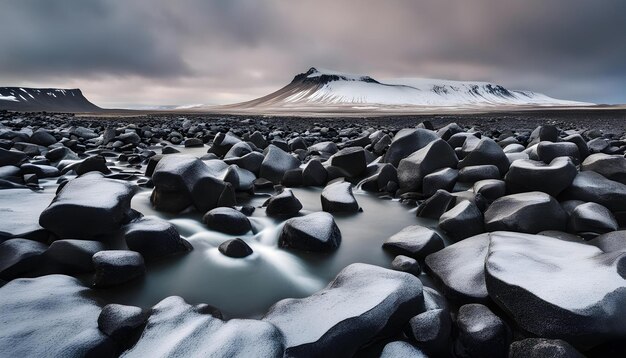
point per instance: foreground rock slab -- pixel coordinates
(568, 290)
(460, 269)
(363, 303)
(50, 316)
(88, 206)
(177, 329)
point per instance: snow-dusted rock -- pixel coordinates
(50, 316)
(352, 161)
(568, 290)
(177, 329)
(610, 166)
(21, 209)
(436, 205)
(434, 156)
(72, 255)
(88, 206)
(284, 203)
(541, 347)
(480, 333)
(114, 267)
(414, 241)
(313, 232)
(591, 186)
(378, 177)
(406, 142)
(431, 330)
(401, 349)
(592, 217)
(19, 256)
(406, 264)
(222, 143)
(462, 221)
(154, 238)
(227, 220)
(361, 304)
(530, 212)
(276, 163)
(474, 173)
(314, 173)
(532, 175)
(337, 197)
(486, 151)
(441, 179)
(548, 151)
(460, 269)
(120, 321)
(489, 189)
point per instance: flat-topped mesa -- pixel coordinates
(45, 99)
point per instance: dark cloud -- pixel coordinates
(194, 51)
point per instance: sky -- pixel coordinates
(134, 53)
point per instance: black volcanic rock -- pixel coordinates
(363, 303)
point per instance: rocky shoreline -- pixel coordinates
(527, 259)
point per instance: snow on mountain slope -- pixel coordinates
(318, 87)
(45, 99)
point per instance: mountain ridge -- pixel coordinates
(319, 88)
(26, 99)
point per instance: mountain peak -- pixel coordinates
(318, 88)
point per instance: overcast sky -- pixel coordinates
(124, 53)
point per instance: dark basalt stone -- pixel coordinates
(236, 248)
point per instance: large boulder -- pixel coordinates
(406, 142)
(460, 269)
(50, 316)
(276, 163)
(227, 220)
(485, 152)
(337, 197)
(462, 221)
(352, 161)
(313, 232)
(284, 203)
(592, 217)
(548, 151)
(88, 206)
(568, 290)
(530, 212)
(441, 179)
(314, 173)
(532, 175)
(154, 238)
(12, 157)
(610, 166)
(177, 329)
(182, 180)
(591, 186)
(434, 156)
(414, 241)
(362, 304)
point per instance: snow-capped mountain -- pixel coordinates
(45, 99)
(318, 88)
